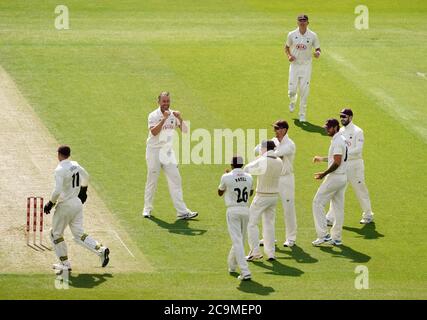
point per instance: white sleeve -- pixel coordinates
(359, 138)
(59, 181)
(84, 177)
(285, 150)
(152, 121)
(257, 150)
(289, 40)
(222, 186)
(316, 42)
(338, 149)
(256, 167)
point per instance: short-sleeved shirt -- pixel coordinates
(301, 46)
(165, 137)
(237, 185)
(338, 147)
(69, 177)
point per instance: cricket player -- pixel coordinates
(333, 187)
(268, 168)
(236, 186)
(160, 155)
(285, 150)
(298, 48)
(71, 183)
(355, 166)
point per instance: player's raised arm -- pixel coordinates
(155, 129)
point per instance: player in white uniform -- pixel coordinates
(268, 168)
(355, 167)
(298, 48)
(237, 187)
(71, 181)
(285, 150)
(160, 155)
(333, 187)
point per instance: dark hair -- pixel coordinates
(163, 94)
(237, 162)
(64, 150)
(268, 144)
(332, 123)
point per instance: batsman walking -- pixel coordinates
(69, 195)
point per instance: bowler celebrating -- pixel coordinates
(160, 155)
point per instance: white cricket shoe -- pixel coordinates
(289, 243)
(366, 220)
(146, 213)
(253, 257)
(261, 242)
(319, 241)
(335, 242)
(291, 107)
(188, 215)
(105, 252)
(302, 118)
(245, 277)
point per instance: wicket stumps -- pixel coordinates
(34, 203)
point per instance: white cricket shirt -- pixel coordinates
(69, 177)
(354, 136)
(285, 150)
(268, 168)
(301, 46)
(338, 147)
(165, 137)
(237, 185)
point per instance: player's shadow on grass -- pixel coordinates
(347, 252)
(368, 231)
(278, 269)
(309, 127)
(298, 254)
(254, 287)
(85, 280)
(178, 227)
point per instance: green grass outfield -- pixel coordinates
(94, 85)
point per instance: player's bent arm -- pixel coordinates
(334, 166)
(285, 150)
(158, 127)
(183, 127)
(320, 159)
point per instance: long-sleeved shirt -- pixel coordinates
(354, 136)
(268, 168)
(69, 177)
(285, 150)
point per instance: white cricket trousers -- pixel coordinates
(299, 78)
(262, 206)
(70, 213)
(287, 194)
(356, 177)
(237, 222)
(154, 164)
(331, 190)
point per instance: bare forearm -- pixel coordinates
(331, 169)
(157, 128)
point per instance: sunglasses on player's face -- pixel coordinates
(343, 117)
(302, 20)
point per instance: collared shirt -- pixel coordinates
(268, 168)
(301, 46)
(354, 136)
(338, 147)
(165, 137)
(237, 185)
(69, 177)
(285, 150)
